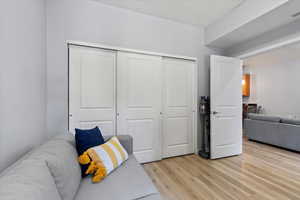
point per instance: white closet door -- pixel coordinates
(139, 103)
(92, 89)
(178, 107)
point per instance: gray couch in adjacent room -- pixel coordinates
(274, 130)
(52, 172)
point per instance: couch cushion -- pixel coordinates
(61, 158)
(25, 156)
(30, 179)
(290, 121)
(128, 182)
(104, 159)
(68, 137)
(86, 139)
(264, 117)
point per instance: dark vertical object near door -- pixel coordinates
(205, 126)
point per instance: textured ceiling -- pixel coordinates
(194, 12)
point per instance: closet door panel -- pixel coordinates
(139, 103)
(92, 89)
(97, 80)
(178, 94)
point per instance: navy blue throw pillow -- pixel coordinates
(86, 139)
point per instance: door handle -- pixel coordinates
(215, 112)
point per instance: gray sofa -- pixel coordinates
(51, 172)
(274, 130)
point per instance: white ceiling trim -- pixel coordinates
(115, 48)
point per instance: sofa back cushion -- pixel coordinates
(20, 160)
(61, 158)
(29, 179)
(264, 117)
(68, 137)
(290, 121)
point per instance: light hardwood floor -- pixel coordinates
(261, 172)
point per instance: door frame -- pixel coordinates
(114, 48)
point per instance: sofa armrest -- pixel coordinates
(125, 140)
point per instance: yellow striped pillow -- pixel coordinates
(104, 159)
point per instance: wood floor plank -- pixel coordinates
(262, 172)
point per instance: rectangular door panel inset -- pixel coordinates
(95, 94)
(226, 76)
(140, 83)
(228, 124)
(140, 102)
(142, 130)
(177, 130)
(178, 105)
(178, 79)
(92, 90)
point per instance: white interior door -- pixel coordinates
(92, 90)
(226, 106)
(178, 107)
(139, 103)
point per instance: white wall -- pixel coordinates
(22, 77)
(275, 82)
(90, 21)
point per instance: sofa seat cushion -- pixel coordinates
(61, 158)
(290, 121)
(29, 179)
(128, 182)
(264, 117)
